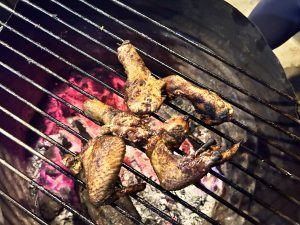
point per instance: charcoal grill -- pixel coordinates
(208, 42)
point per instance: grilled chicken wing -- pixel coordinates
(175, 172)
(98, 165)
(102, 159)
(117, 122)
(213, 108)
(143, 91)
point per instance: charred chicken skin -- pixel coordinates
(134, 128)
(144, 92)
(106, 214)
(100, 161)
(117, 122)
(176, 172)
(214, 110)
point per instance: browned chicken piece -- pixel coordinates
(214, 109)
(176, 172)
(117, 122)
(173, 131)
(143, 91)
(98, 165)
(102, 158)
(101, 161)
(134, 128)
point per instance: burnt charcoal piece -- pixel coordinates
(106, 214)
(48, 208)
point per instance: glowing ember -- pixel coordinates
(64, 186)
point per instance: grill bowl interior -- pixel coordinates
(212, 31)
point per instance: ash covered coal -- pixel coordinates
(63, 186)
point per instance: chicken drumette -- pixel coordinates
(144, 92)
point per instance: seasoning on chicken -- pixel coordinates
(214, 109)
(176, 172)
(117, 122)
(143, 91)
(173, 131)
(101, 161)
(134, 128)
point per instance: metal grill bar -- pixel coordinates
(245, 148)
(30, 59)
(241, 213)
(76, 109)
(218, 198)
(205, 49)
(274, 125)
(209, 192)
(125, 213)
(220, 177)
(252, 197)
(243, 191)
(105, 66)
(251, 175)
(35, 184)
(53, 164)
(216, 76)
(265, 139)
(265, 161)
(66, 173)
(155, 210)
(193, 209)
(63, 149)
(28, 212)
